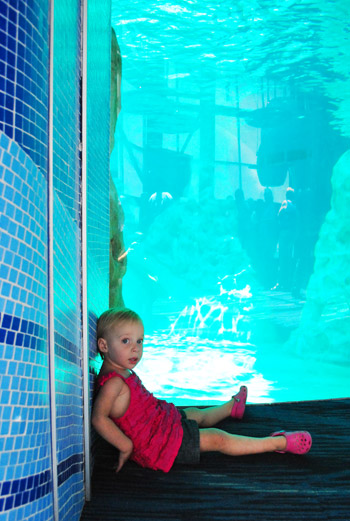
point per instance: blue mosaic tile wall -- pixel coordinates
(98, 74)
(66, 111)
(24, 60)
(26, 491)
(25, 448)
(67, 257)
(68, 367)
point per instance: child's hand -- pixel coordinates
(124, 456)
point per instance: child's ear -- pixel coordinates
(102, 345)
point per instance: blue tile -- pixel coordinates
(19, 447)
(15, 323)
(10, 73)
(12, 370)
(9, 113)
(18, 135)
(12, 29)
(18, 500)
(5, 395)
(9, 130)
(2, 51)
(12, 15)
(6, 159)
(4, 271)
(8, 352)
(10, 337)
(3, 366)
(5, 489)
(24, 326)
(15, 430)
(13, 276)
(9, 503)
(9, 444)
(6, 288)
(19, 339)
(15, 486)
(15, 294)
(23, 485)
(25, 497)
(18, 309)
(10, 86)
(6, 321)
(3, 9)
(11, 43)
(21, 35)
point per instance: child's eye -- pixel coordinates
(140, 341)
(125, 340)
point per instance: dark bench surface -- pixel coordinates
(266, 487)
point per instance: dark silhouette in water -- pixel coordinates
(243, 214)
(268, 237)
(287, 234)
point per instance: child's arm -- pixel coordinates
(106, 427)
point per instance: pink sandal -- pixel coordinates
(298, 442)
(239, 403)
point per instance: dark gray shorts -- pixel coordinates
(189, 452)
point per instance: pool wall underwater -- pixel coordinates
(42, 255)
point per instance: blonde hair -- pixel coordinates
(113, 317)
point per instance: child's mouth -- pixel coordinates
(133, 360)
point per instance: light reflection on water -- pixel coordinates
(206, 355)
(192, 370)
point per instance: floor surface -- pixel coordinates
(266, 487)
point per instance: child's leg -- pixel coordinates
(298, 442)
(212, 415)
(234, 445)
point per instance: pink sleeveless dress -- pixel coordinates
(153, 425)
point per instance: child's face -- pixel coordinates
(123, 345)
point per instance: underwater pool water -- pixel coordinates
(201, 371)
(220, 103)
(210, 350)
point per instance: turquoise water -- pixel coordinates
(204, 356)
(220, 103)
(192, 371)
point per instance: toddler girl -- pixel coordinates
(155, 433)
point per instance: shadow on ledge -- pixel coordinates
(266, 487)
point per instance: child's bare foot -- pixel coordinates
(240, 399)
(297, 442)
